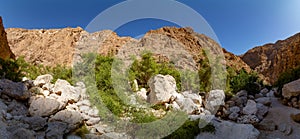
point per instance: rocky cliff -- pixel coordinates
(195, 43)
(58, 46)
(273, 59)
(5, 51)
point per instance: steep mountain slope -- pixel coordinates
(195, 43)
(5, 51)
(273, 59)
(58, 46)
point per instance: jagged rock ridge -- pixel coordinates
(58, 46)
(273, 59)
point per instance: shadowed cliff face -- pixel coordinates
(273, 59)
(5, 52)
(58, 46)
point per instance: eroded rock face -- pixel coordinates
(273, 59)
(62, 46)
(5, 52)
(58, 46)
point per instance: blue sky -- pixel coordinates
(238, 24)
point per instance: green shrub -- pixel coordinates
(16, 69)
(81, 131)
(188, 130)
(286, 77)
(245, 81)
(208, 128)
(142, 117)
(10, 69)
(147, 67)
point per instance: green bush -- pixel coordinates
(286, 77)
(245, 81)
(10, 69)
(16, 69)
(142, 70)
(82, 131)
(188, 130)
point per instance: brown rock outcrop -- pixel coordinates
(194, 43)
(5, 52)
(273, 59)
(58, 46)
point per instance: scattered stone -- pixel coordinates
(262, 110)
(161, 88)
(230, 103)
(195, 97)
(296, 117)
(15, 90)
(142, 94)
(44, 107)
(16, 108)
(241, 101)
(248, 119)
(264, 91)
(230, 130)
(264, 100)
(93, 121)
(56, 130)
(233, 116)
(259, 95)
(271, 94)
(214, 99)
(22, 133)
(72, 118)
(189, 106)
(235, 109)
(267, 125)
(291, 89)
(36, 123)
(250, 108)
(42, 80)
(242, 93)
(67, 92)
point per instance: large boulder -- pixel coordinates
(214, 99)
(67, 92)
(72, 118)
(250, 108)
(291, 89)
(36, 123)
(230, 130)
(16, 108)
(161, 88)
(189, 106)
(56, 130)
(43, 79)
(5, 52)
(264, 100)
(17, 90)
(22, 133)
(44, 106)
(195, 97)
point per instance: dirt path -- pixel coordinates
(280, 114)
